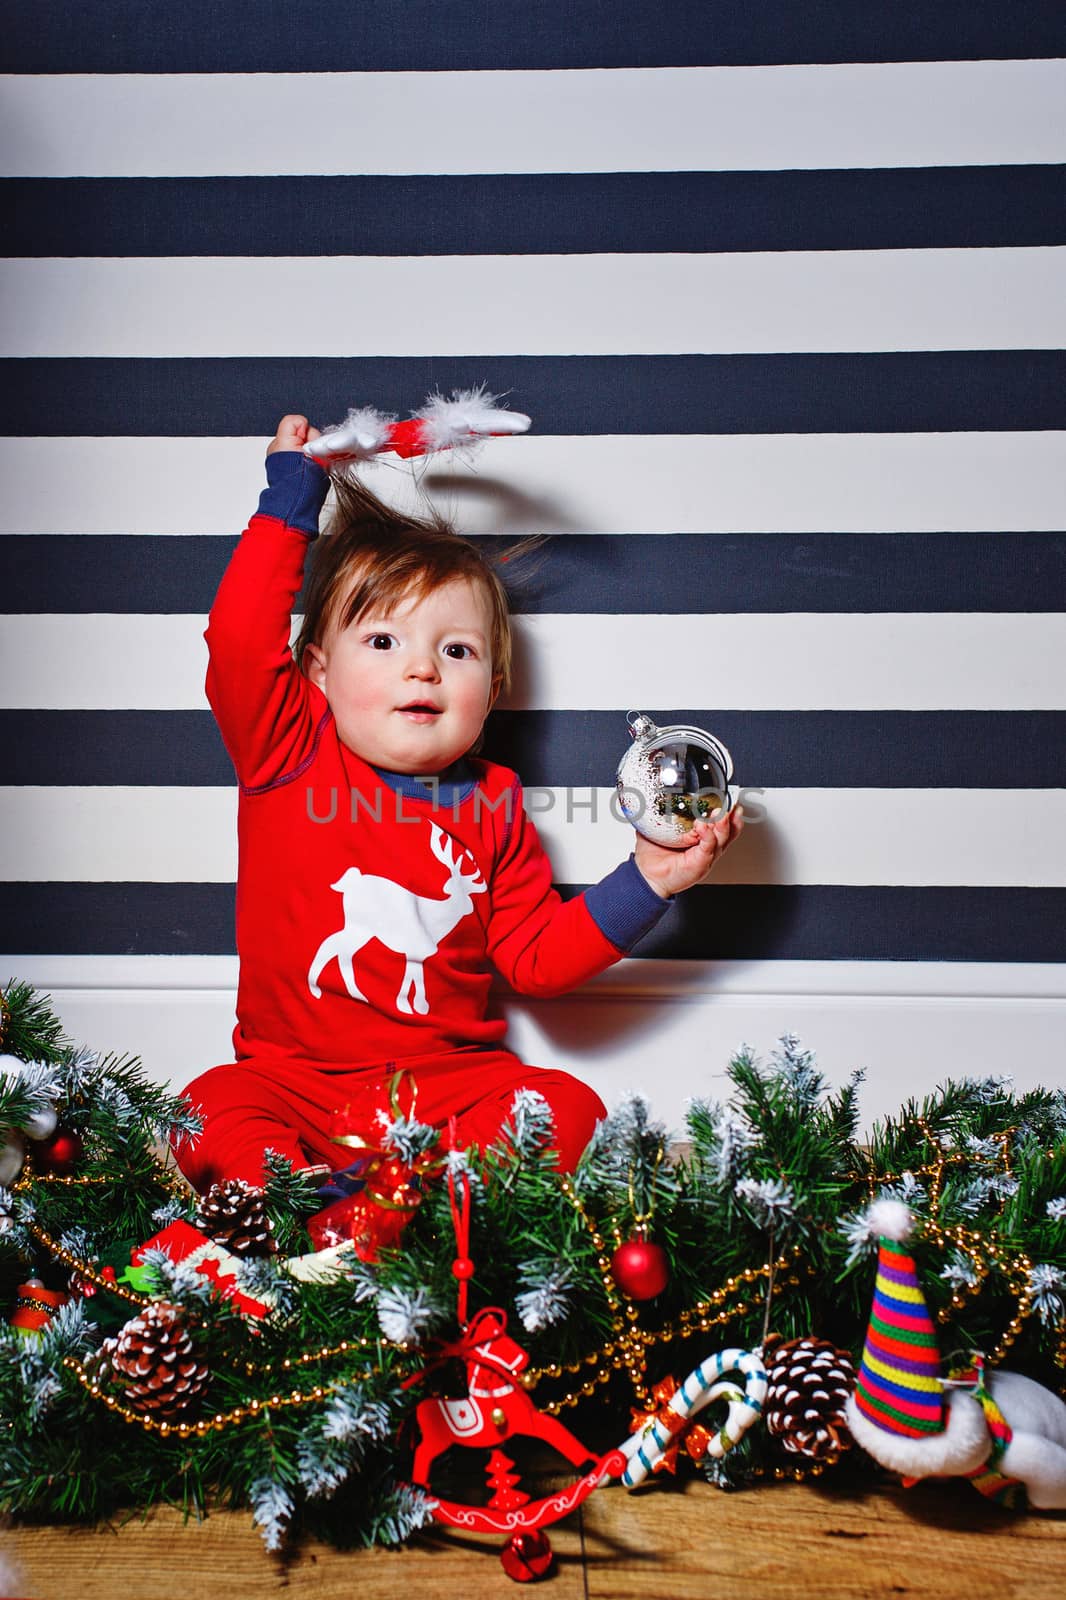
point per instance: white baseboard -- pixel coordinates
(665, 1029)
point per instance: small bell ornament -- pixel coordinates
(671, 777)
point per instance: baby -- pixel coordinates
(385, 869)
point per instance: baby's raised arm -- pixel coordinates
(262, 702)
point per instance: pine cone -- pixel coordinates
(233, 1212)
(809, 1384)
(154, 1356)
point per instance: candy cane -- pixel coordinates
(643, 1450)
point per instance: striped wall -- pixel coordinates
(782, 288)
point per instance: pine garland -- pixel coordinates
(761, 1213)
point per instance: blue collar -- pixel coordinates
(453, 785)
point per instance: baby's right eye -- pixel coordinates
(381, 641)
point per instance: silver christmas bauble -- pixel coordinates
(671, 777)
(12, 1155)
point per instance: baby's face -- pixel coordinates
(410, 691)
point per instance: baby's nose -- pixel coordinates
(422, 666)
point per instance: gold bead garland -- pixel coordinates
(984, 1253)
(252, 1409)
(330, 1352)
(327, 1352)
(82, 1269)
(165, 1178)
(78, 1181)
(936, 1176)
(630, 1346)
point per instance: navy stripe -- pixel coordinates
(537, 214)
(827, 922)
(820, 922)
(802, 749)
(893, 392)
(423, 35)
(595, 574)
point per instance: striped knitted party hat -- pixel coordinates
(898, 1388)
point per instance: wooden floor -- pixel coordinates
(783, 1542)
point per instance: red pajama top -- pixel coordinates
(370, 910)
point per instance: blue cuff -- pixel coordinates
(297, 488)
(624, 906)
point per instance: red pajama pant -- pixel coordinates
(267, 1104)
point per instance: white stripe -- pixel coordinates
(618, 120)
(661, 483)
(78, 663)
(790, 662)
(809, 836)
(630, 980)
(535, 305)
(797, 661)
(844, 836)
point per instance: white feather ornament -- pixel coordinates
(447, 423)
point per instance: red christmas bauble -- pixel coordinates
(59, 1154)
(639, 1269)
(527, 1556)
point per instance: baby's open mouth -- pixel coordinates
(420, 708)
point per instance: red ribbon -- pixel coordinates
(461, 1224)
(466, 1349)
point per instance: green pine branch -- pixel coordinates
(775, 1169)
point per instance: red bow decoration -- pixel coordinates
(484, 1340)
(693, 1435)
(392, 1192)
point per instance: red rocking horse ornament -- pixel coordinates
(495, 1407)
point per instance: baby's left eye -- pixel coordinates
(459, 652)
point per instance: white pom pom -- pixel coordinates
(12, 1155)
(891, 1219)
(41, 1124)
(468, 412)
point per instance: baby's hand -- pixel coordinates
(293, 433)
(670, 871)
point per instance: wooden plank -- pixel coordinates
(223, 1558)
(800, 1542)
(676, 1542)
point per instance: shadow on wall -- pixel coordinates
(514, 512)
(713, 918)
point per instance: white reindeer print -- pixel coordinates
(410, 924)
